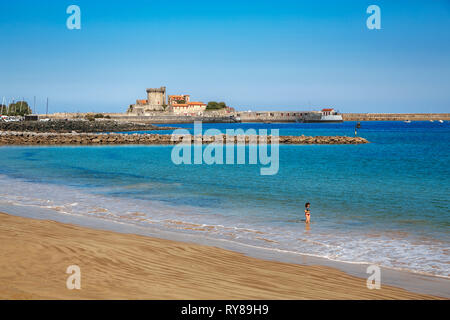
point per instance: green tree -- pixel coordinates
(213, 105)
(19, 108)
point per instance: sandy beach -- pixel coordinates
(35, 254)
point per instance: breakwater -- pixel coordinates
(255, 116)
(38, 138)
(395, 116)
(70, 126)
(160, 117)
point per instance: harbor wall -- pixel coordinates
(157, 117)
(270, 116)
(395, 116)
(261, 116)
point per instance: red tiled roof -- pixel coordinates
(328, 109)
(188, 104)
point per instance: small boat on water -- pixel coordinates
(441, 121)
(407, 121)
(357, 126)
(431, 120)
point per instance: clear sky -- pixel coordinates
(258, 55)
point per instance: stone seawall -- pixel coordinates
(155, 117)
(77, 126)
(243, 116)
(395, 116)
(33, 138)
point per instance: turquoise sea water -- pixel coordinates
(386, 202)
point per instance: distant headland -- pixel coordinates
(158, 107)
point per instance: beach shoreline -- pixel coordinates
(36, 253)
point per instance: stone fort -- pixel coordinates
(157, 101)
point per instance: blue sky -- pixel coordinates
(258, 55)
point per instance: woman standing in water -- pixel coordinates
(307, 213)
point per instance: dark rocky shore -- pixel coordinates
(33, 138)
(78, 126)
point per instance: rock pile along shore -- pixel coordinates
(77, 126)
(34, 138)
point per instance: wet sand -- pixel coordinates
(34, 256)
